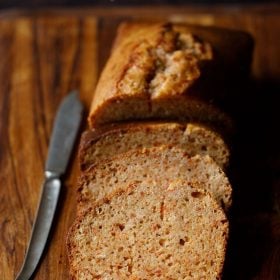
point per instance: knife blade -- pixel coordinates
(66, 126)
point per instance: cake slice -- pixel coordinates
(159, 164)
(150, 231)
(102, 144)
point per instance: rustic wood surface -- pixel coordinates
(44, 54)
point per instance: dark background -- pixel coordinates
(33, 4)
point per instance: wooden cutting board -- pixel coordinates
(44, 54)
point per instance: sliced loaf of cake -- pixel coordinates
(159, 164)
(150, 231)
(102, 144)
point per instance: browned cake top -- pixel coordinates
(153, 60)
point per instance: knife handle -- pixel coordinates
(42, 225)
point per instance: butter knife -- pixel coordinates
(66, 126)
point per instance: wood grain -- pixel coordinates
(44, 54)
(42, 59)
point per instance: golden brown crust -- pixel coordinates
(232, 49)
(153, 64)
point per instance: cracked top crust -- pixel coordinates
(152, 64)
(164, 64)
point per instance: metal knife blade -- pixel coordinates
(66, 126)
(65, 130)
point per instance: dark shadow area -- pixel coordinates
(112, 3)
(254, 171)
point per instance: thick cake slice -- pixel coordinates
(150, 231)
(170, 72)
(161, 165)
(102, 144)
